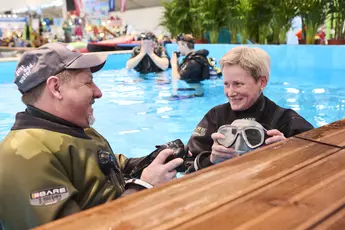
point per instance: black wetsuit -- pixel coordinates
(264, 111)
(146, 65)
(194, 67)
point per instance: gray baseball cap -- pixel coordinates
(36, 66)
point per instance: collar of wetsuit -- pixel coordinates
(254, 110)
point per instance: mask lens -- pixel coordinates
(254, 137)
(230, 134)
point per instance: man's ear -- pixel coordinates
(53, 86)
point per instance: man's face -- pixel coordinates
(182, 47)
(78, 95)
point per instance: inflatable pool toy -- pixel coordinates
(120, 43)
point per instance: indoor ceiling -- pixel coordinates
(137, 4)
(130, 4)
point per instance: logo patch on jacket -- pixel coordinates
(49, 196)
(199, 131)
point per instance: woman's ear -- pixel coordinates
(53, 85)
(263, 82)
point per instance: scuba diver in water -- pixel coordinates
(195, 67)
(234, 128)
(149, 57)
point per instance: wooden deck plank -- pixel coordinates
(297, 201)
(175, 203)
(332, 134)
(335, 221)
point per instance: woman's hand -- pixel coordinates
(219, 152)
(276, 136)
(149, 47)
(143, 48)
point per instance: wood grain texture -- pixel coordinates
(298, 201)
(332, 134)
(335, 221)
(189, 199)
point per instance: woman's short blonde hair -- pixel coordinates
(252, 59)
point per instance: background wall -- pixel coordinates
(143, 19)
(289, 57)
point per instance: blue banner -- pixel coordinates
(10, 19)
(111, 5)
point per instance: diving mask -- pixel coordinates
(243, 135)
(148, 36)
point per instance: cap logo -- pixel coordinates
(24, 71)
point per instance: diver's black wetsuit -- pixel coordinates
(193, 66)
(264, 111)
(146, 65)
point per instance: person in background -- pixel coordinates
(78, 31)
(165, 40)
(149, 57)
(194, 68)
(52, 162)
(67, 31)
(246, 71)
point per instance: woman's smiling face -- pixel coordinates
(240, 87)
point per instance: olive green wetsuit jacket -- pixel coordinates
(49, 169)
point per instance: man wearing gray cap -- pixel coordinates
(52, 163)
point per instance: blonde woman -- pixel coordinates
(246, 72)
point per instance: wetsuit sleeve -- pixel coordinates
(38, 185)
(191, 71)
(128, 164)
(294, 124)
(201, 140)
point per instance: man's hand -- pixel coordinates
(220, 153)
(174, 59)
(276, 136)
(174, 72)
(158, 172)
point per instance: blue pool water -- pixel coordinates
(134, 114)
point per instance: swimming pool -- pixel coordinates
(134, 114)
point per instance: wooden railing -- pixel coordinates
(298, 183)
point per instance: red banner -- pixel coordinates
(78, 7)
(123, 5)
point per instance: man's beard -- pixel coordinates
(91, 119)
